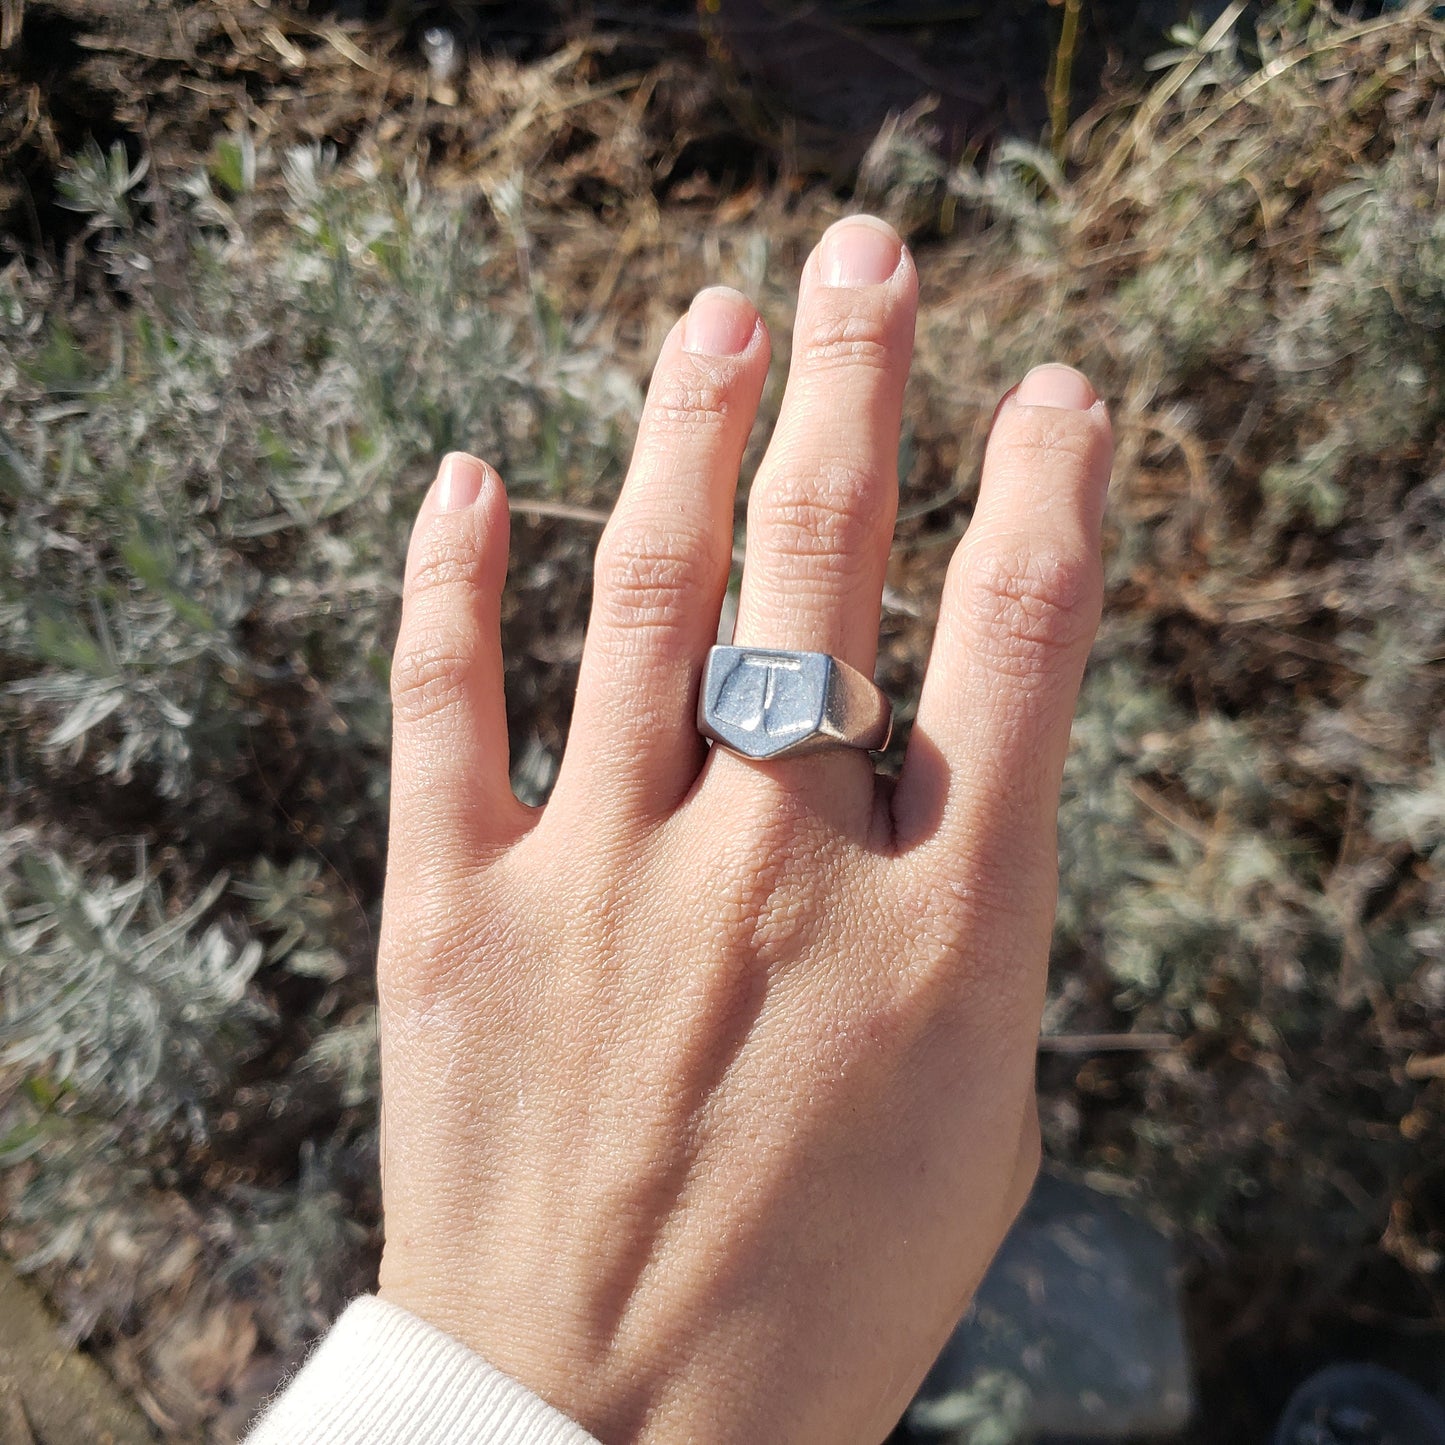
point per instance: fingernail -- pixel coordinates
(860, 251)
(720, 322)
(1054, 384)
(459, 482)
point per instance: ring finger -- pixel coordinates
(821, 511)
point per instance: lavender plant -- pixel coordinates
(207, 500)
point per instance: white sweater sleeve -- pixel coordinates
(384, 1377)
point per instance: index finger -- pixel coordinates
(1021, 604)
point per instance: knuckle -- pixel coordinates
(691, 398)
(432, 958)
(431, 674)
(850, 339)
(974, 929)
(1044, 440)
(836, 515)
(1029, 607)
(451, 561)
(974, 965)
(952, 909)
(648, 576)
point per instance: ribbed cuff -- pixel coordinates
(384, 1377)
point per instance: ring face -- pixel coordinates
(771, 703)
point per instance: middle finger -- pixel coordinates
(821, 512)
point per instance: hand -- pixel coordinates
(708, 1089)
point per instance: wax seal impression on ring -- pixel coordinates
(769, 703)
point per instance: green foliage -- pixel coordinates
(218, 515)
(99, 183)
(208, 479)
(112, 1000)
(994, 1411)
(1250, 263)
(132, 1026)
(303, 1242)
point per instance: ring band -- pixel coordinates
(769, 703)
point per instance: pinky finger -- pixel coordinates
(1020, 607)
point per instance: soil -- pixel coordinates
(50, 1395)
(788, 87)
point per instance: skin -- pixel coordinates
(708, 1090)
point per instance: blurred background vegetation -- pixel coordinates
(260, 263)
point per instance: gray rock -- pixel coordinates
(1076, 1332)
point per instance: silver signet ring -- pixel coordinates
(766, 703)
